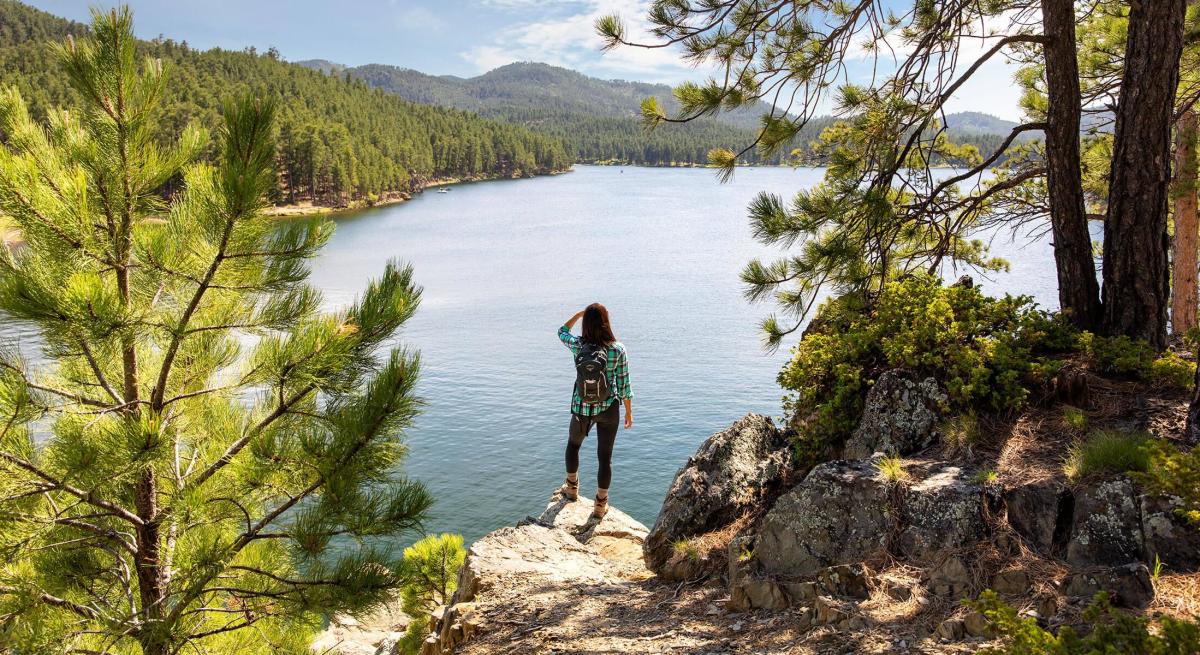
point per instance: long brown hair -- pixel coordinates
(596, 327)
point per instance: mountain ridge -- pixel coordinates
(601, 119)
(634, 92)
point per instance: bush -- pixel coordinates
(1178, 474)
(1108, 451)
(985, 351)
(1125, 356)
(1111, 631)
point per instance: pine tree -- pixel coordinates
(430, 577)
(205, 459)
(882, 211)
(1136, 267)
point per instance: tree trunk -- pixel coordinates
(1078, 290)
(1136, 268)
(1183, 291)
(1191, 430)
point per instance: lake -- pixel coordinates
(504, 264)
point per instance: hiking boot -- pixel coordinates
(569, 490)
(600, 508)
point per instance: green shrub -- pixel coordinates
(1176, 473)
(1108, 451)
(985, 351)
(686, 548)
(1111, 631)
(1171, 370)
(1125, 356)
(986, 476)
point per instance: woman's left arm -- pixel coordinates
(624, 387)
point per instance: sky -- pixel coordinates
(453, 37)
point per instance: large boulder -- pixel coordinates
(837, 515)
(1169, 537)
(845, 511)
(527, 552)
(564, 543)
(1040, 511)
(944, 508)
(900, 416)
(1107, 528)
(364, 635)
(544, 561)
(1129, 585)
(734, 471)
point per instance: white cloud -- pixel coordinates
(564, 35)
(419, 19)
(518, 4)
(569, 39)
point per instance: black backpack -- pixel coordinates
(590, 379)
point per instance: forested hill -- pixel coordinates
(339, 139)
(599, 118)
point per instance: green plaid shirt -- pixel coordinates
(617, 372)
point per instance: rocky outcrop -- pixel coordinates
(564, 551)
(845, 512)
(734, 471)
(1127, 586)
(1169, 537)
(376, 634)
(943, 509)
(1041, 512)
(900, 417)
(563, 543)
(1107, 527)
(836, 515)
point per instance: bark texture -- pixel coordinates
(1183, 273)
(1136, 266)
(1078, 290)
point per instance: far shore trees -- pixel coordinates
(203, 460)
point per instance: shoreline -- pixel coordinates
(392, 198)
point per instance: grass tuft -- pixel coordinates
(1075, 418)
(1108, 451)
(892, 469)
(960, 433)
(986, 476)
(687, 548)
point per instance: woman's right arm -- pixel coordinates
(564, 333)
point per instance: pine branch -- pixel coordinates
(88, 497)
(54, 601)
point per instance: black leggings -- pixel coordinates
(606, 423)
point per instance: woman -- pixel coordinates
(594, 400)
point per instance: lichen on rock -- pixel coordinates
(733, 471)
(900, 417)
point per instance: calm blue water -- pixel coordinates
(504, 264)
